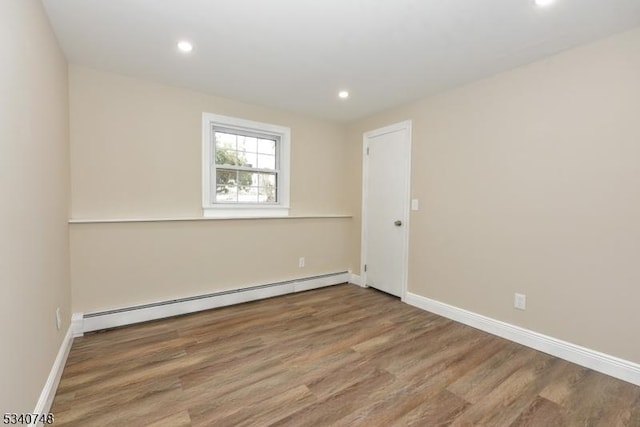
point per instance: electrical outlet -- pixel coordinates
(301, 262)
(58, 318)
(520, 301)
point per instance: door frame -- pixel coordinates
(405, 125)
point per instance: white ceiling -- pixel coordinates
(296, 54)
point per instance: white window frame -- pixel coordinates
(213, 209)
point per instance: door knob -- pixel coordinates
(397, 223)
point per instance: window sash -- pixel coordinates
(214, 167)
(256, 186)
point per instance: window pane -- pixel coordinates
(240, 158)
(228, 157)
(267, 179)
(266, 161)
(225, 140)
(267, 187)
(250, 160)
(225, 177)
(248, 195)
(267, 195)
(247, 179)
(226, 185)
(267, 146)
(247, 143)
(226, 193)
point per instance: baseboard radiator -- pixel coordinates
(88, 322)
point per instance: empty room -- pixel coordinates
(197, 228)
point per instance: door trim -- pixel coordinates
(405, 125)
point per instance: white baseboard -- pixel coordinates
(77, 324)
(51, 386)
(601, 362)
(126, 316)
(355, 279)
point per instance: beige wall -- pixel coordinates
(136, 153)
(34, 184)
(529, 182)
(124, 264)
(136, 149)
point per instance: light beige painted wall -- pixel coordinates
(125, 264)
(136, 149)
(529, 182)
(136, 153)
(34, 185)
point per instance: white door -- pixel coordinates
(385, 208)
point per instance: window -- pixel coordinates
(245, 168)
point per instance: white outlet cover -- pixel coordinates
(58, 318)
(415, 204)
(520, 301)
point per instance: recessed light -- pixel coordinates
(343, 94)
(185, 46)
(544, 3)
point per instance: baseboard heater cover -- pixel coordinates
(88, 322)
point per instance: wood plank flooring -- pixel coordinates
(338, 356)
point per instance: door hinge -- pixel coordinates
(365, 268)
(367, 151)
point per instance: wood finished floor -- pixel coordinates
(337, 356)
